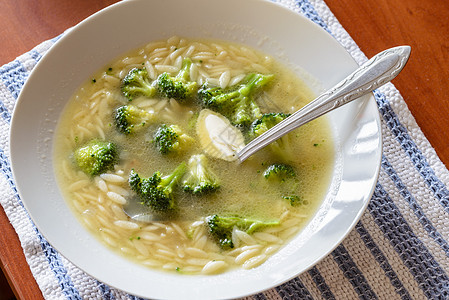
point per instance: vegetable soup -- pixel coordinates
(139, 131)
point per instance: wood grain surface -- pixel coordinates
(424, 82)
(374, 25)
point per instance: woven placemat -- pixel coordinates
(398, 250)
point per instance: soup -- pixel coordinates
(264, 201)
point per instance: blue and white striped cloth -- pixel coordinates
(398, 250)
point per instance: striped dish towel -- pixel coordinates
(398, 250)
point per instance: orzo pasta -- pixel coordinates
(182, 241)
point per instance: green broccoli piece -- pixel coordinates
(156, 191)
(179, 87)
(220, 227)
(138, 83)
(282, 146)
(199, 179)
(129, 118)
(294, 200)
(284, 177)
(170, 138)
(280, 172)
(96, 157)
(237, 102)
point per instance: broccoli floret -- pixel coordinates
(282, 146)
(284, 177)
(96, 157)
(220, 227)
(294, 200)
(129, 118)
(280, 172)
(138, 83)
(156, 191)
(170, 138)
(237, 102)
(199, 179)
(179, 87)
(266, 122)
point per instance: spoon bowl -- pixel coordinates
(139, 212)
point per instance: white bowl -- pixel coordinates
(110, 33)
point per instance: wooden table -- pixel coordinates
(374, 24)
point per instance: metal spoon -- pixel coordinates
(377, 71)
(139, 212)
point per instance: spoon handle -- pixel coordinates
(377, 71)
